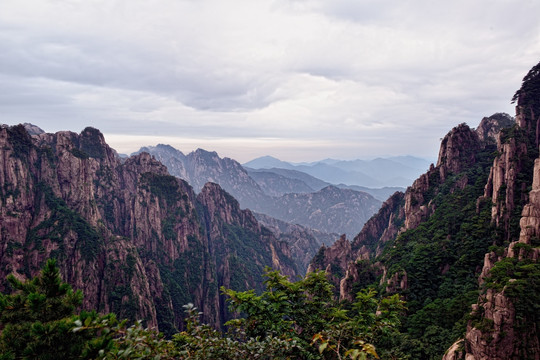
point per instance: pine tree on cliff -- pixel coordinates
(528, 101)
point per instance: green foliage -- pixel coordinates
(288, 321)
(91, 143)
(9, 190)
(530, 88)
(163, 186)
(79, 153)
(20, 140)
(201, 342)
(37, 319)
(442, 258)
(306, 313)
(520, 280)
(118, 341)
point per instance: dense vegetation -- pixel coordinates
(289, 320)
(440, 260)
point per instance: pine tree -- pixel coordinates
(36, 320)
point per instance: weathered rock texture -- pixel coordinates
(405, 211)
(503, 330)
(515, 216)
(135, 239)
(303, 242)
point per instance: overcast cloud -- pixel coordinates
(296, 79)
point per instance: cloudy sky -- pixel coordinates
(297, 79)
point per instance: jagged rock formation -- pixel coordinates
(303, 242)
(135, 239)
(201, 166)
(328, 210)
(506, 319)
(428, 240)
(488, 130)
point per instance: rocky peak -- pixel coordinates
(381, 227)
(144, 162)
(33, 129)
(333, 260)
(528, 104)
(490, 127)
(458, 149)
(222, 204)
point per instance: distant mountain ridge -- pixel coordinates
(397, 171)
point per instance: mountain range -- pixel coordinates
(460, 245)
(136, 240)
(288, 195)
(398, 171)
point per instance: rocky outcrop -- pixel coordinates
(329, 210)
(406, 211)
(489, 128)
(530, 217)
(458, 151)
(503, 186)
(303, 242)
(381, 227)
(502, 325)
(333, 260)
(127, 233)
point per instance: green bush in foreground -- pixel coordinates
(289, 320)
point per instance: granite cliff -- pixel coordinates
(428, 243)
(464, 236)
(505, 320)
(135, 239)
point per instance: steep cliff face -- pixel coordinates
(241, 247)
(459, 152)
(128, 234)
(236, 234)
(428, 243)
(505, 321)
(51, 208)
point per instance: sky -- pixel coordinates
(300, 80)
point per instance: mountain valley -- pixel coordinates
(446, 269)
